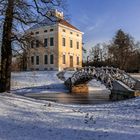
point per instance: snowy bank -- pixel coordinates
(45, 82)
(37, 82)
(23, 118)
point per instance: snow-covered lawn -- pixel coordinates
(137, 76)
(44, 82)
(23, 118)
(37, 82)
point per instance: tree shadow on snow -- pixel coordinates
(15, 129)
(52, 88)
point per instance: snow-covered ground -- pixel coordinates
(37, 82)
(23, 118)
(44, 82)
(137, 76)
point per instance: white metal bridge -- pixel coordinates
(112, 78)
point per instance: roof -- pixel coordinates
(65, 23)
(48, 22)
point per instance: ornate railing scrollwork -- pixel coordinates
(104, 74)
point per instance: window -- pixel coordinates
(32, 44)
(77, 34)
(64, 41)
(32, 60)
(45, 42)
(37, 43)
(51, 30)
(32, 33)
(45, 59)
(71, 44)
(45, 31)
(37, 32)
(64, 59)
(51, 59)
(77, 45)
(77, 60)
(37, 60)
(71, 33)
(51, 41)
(64, 30)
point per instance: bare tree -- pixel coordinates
(16, 16)
(96, 53)
(122, 52)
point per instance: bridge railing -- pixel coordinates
(105, 74)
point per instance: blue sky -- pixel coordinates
(100, 19)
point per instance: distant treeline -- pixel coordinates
(122, 52)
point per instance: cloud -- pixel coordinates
(95, 26)
(84, 19)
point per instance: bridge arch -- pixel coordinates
(106, 75)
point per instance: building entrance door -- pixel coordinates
(71, 61)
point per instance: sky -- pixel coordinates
(100, 19)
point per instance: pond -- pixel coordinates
(96, 97)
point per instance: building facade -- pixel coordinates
(55, 45)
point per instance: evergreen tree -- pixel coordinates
(121, 49)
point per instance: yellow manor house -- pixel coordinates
(56, 45)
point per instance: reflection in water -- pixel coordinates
(96, 97)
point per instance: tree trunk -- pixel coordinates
(6, 49)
